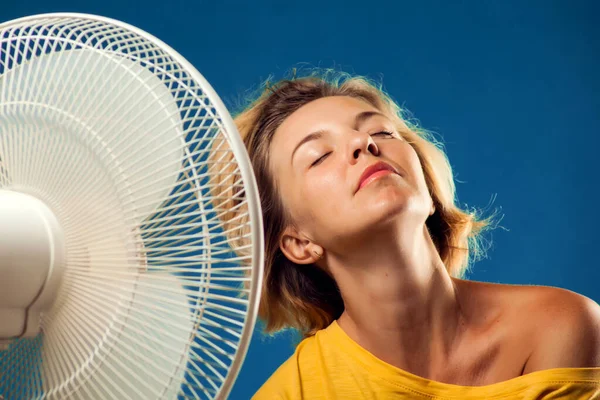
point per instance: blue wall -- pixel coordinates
(513, 90)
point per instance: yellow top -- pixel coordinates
(330, 365)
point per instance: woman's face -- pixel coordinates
(319, 157)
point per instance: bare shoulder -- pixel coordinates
(563, 326)
(557, 302)
(567, 329)
(539, 327)
(538, 305)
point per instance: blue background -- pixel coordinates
(512, 88)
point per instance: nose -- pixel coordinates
(361, 144)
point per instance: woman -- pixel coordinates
(365, 250)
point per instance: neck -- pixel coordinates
(400, 302)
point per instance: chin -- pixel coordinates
(388, 197)
(392, 206)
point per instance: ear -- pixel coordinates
(299, 249)
(432, 209)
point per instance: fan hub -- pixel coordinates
(32, 258)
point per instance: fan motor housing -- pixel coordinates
(32, 259)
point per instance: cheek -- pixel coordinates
(317, 193)
(419, 173)
(408, 158)
(303, 200)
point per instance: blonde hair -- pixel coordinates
(305, 297)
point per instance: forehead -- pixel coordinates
(318, 114)
(334, 109)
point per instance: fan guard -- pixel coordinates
(127, 196)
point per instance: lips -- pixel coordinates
(373, 172)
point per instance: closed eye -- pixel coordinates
(320, 159)
(383, 133)
(380, 133)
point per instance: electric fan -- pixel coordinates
(130, 229)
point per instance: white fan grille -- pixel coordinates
(116, 133)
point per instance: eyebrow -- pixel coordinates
(358, 121)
